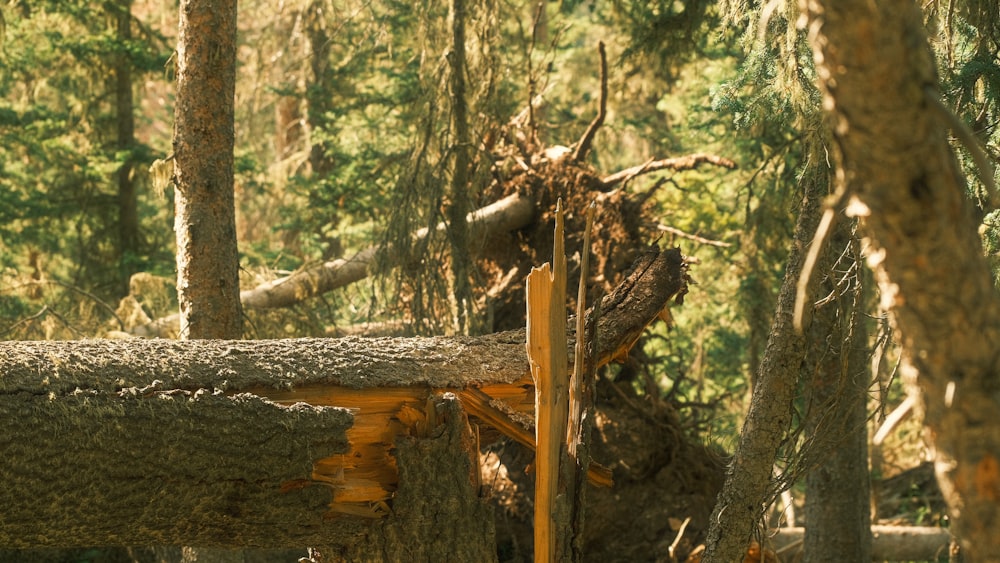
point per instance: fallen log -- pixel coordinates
(889, 543)
(274, 443)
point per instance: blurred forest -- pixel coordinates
(350, 138)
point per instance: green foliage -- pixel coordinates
(966, 37)
(58, 145)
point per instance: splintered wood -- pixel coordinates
(546, 346)
(559, 399)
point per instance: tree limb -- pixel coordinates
(508, 214)
(689, 162)
(583, 146)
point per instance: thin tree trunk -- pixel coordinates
(878, 76)
(459, 207)
(208, 289)
(837, 511)
(748, 484)
(318, 98)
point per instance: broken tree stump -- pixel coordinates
(273, 443)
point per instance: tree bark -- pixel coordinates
(838, 502)
(748, 483)
(208, 286)
(878, 78)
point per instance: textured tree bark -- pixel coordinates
(748, 482)
(838, 502)
(208, 287)
(878, 77)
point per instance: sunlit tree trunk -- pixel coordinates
(207, 261)
(880, 88)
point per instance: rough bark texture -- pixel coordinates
(877, 73)
(838, 503)
(93, 469)
(114, 444)
(205, 223)
(740, 504)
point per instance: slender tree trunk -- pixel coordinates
(207, 261)
(878, 77)
(459, 207)
(837, 511)
(128, 212)
(748, 484)
(320, 84)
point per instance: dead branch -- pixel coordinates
(583, 147)
(689, 236)
(688, 162)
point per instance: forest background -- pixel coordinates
(345, 139)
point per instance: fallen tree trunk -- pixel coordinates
(275, 443)
(889, 543)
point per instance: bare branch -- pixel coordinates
(688, 162)
(583, 147)
(689, 236)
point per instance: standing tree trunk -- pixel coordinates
(128, 212)
(748, 484)
(878, 77)
(208, 288)
(459, 207)
(837, 511)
